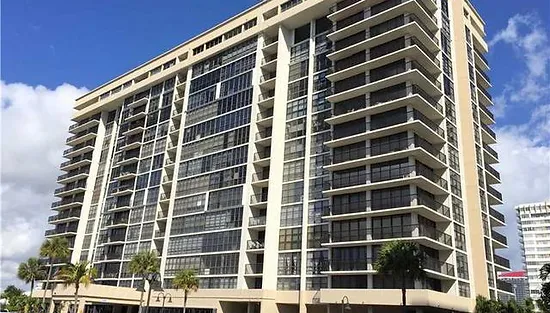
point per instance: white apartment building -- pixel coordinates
(534, 232)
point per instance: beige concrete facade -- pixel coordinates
(421, 52)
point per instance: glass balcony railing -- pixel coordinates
(254, 268)
(257, 221)
(499, 237)
(491, 170)
(501, 261)
(496, 214)
(392, 232)
(494, 193)
(255, 244)
(490, 150)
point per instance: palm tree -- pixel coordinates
(403, 260)
(188, 281)
(53, 249)
(544, 271)
(144, 264)
(76, 274)
(31, 271)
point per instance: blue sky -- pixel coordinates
(52, 51)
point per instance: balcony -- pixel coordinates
(266, 99)
(117, 222)
(487, 117)
(505, 286)
(262, 158)
(421, 149)
(263, 137)
(79, 149)
(265, 118)
(494, 175)
(399, 72)
(269, 63)
(499, 239)
(254, 269)
(377, 22)
(483, 78)
(116, 239)
(418, 175)
(82, 136)
(419, 203)
(75, 162)
(497, 216)
(484, 97)
(491, 156)
(64, 217)
(136, 113)
(267, 80)
(122, 190)
(74, 175)
(481, 61)
(496, 197)
(256, 221)
(68, 230)
(70, 189)
(502, 262)
(85, 123)
(113, 256)
(160, 234)
(258, 199)
(427, 235)
(407, 25)
(68, 203)
(488, 135)
(346, 8)
(134, 127)
(255, 245)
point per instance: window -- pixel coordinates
(295, 128)
(293, 192)
(291, 215)
(294, 149)
(462, 265)
(316, 235)
(316, 210)
(290, 239)
(296, 108)
(460, 237)
(297, 89)
(250, 24)
(289, 263)
(293, 170)
(298, 70)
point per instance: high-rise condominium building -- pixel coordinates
(518, 279)
(534, 233)
(277, 152)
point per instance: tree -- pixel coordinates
(187, 281)
(402, 260)
(53, 249)
(14, 297)
(544, 302)
(31, 271)
(76, 274)
(144, 264)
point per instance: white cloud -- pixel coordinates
(526, 35)
(524, 153)
(33, 131)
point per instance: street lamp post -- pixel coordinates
(151, 277)
(164, 296)
(345, 304)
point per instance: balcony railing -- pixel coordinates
(257, 221)
(269, 58)
(499, 237)
(342, 4)
(258, 198)
(439, 266)
(89, 143)
(69, 188)
(504, 286)
(481, 56)
(84, 170)
(83, 157)
(64, 215)
(485, 92)
(254, 268)
(392, 232)
(496, 214)
(380, 175)
(82, 133)
(262, 155)
(255, 244)
(67, 201)
(491, 170)
(501, 261)
(482, 73)
(490, 150)
(260, 176)
(265, 114)
(96, 117)
(489, 131)
(494, 193)
(270, 40)
(264, 134)
(267, 76)
(391, 146)
(487, 111)
(266, 95)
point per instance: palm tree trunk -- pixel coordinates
(32, 287)
(47, 286)
(76, 299)
(141, 299)
(184, 300)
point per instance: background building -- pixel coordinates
(277, 152)
(518, 279)
(534, 233)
